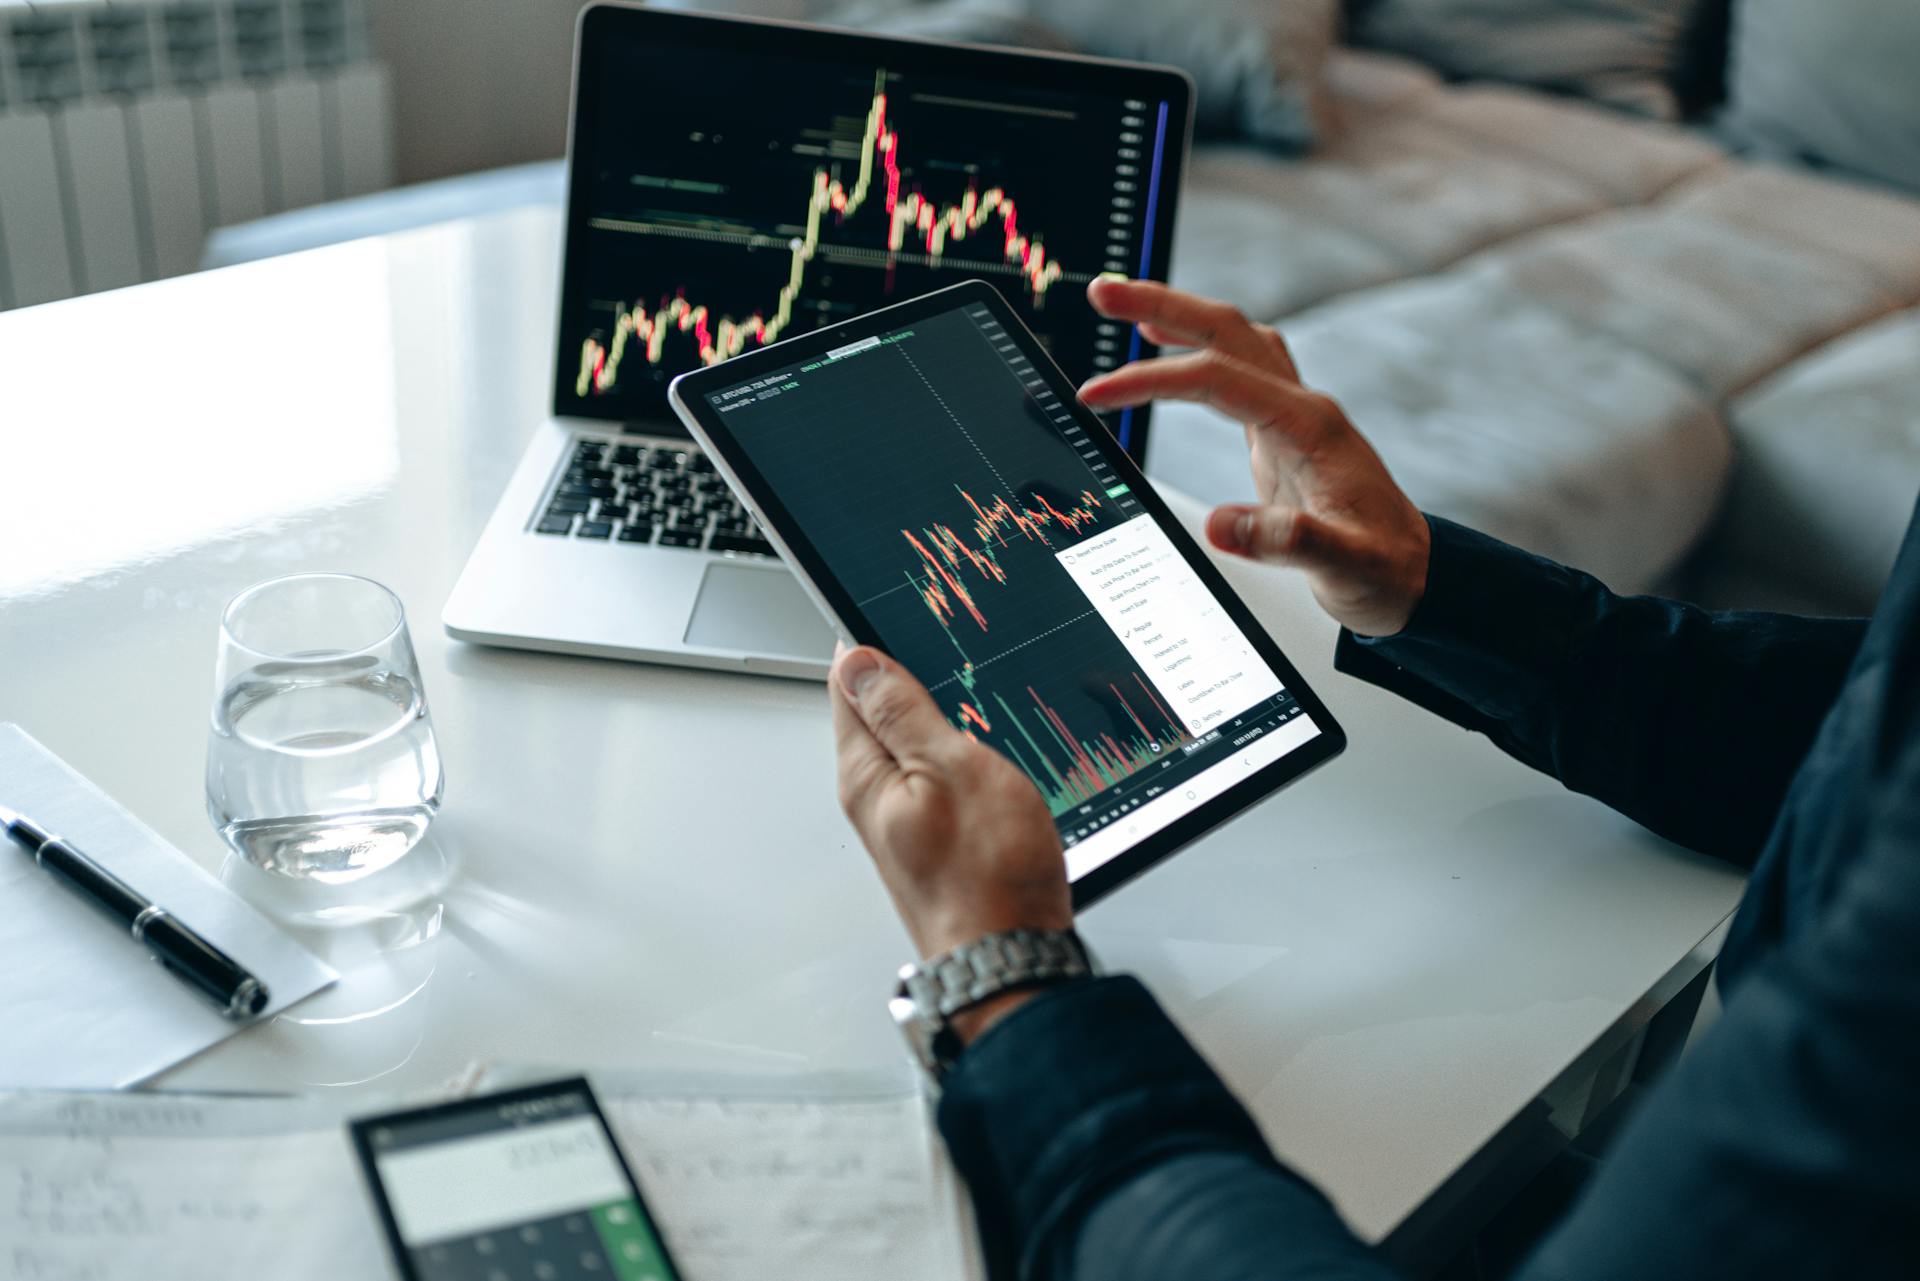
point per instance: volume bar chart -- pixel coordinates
(1070, 768)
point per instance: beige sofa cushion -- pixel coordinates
(1417, 177)
(1724, 306)
(1872, 227)
(1827, 465)
(1493, 409)
(1625, 52)
(1543, 314)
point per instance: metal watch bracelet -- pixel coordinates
(930, 993)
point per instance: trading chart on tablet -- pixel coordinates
(736, 201)
(1000, 558)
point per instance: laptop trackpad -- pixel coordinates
(761, 611)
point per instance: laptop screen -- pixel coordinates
(736, 182)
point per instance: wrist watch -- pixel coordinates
(930, 993)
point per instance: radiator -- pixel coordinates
(131, 128)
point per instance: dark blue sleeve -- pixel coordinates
(1786, 1143)
(1099, 1144)
(1690, 722)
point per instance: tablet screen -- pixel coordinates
(992, 544)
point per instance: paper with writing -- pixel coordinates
(745, 1189)
(139, 1187)
(179, 1189)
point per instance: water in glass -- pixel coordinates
(322, 762)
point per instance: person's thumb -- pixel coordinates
(895, 708)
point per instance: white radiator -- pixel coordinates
(130, 128)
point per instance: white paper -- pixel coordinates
(83, 1005)
(846, 1188)
(169, 1188)
(782, 1177)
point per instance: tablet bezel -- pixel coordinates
(688, 392)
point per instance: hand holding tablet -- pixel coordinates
(962, 839)
(929, 475)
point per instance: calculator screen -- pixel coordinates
(519, 1187)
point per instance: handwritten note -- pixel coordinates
(173, 1188)
(97, 1189)
(746, 1189)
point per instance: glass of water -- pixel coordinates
(321, 763)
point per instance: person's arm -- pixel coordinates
(1690, 722)
(1097, 1144)
(1783, 1144)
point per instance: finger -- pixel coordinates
(894, 708)
(1282, 354)
(1263, 401)
(1280, 361)
(1278, 535)
(1183, 319)
(1160, 337)
(865, 767)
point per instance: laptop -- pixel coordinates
(734, 181)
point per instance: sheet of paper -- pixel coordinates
(798, 1178)
(140, 1187)
(83, 1005)
(845, 1184)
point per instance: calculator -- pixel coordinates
(520, 1185)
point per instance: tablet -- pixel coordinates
(938, 489)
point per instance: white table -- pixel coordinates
(1393, 962)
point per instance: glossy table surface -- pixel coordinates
(641, 866)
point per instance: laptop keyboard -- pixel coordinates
(660, 497)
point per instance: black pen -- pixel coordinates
(204, 967)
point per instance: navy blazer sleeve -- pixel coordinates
(1101, 1147)
(1688, 721)
(1099, 1144)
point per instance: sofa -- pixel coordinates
(1601, 336)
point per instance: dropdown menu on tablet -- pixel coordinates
(1170, 624)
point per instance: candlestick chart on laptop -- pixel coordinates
(790, 193)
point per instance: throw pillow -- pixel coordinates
(1255, 63)
(1005, 22)
(1836, 82)
(1622, 52)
